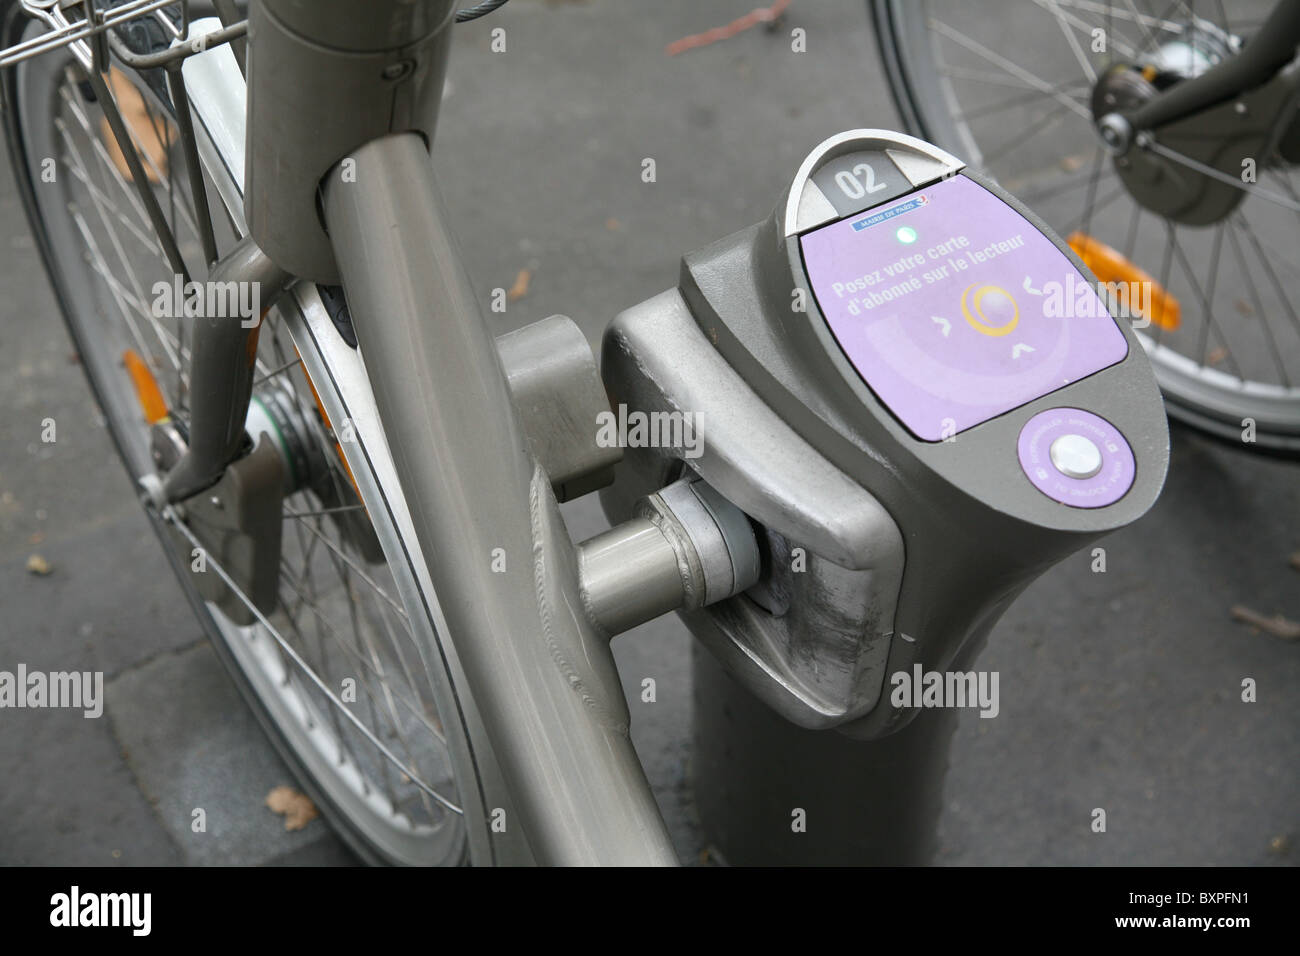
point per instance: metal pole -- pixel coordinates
(871, 802)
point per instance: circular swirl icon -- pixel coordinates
(989, 309)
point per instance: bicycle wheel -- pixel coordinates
(348, 675)
(1014, 88)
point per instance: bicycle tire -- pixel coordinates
(1209, 401)
(30, 140)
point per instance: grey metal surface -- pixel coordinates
(1181, 184)
(738, 536)
(685, 548)
(557, 391)
(822, 663)
(531, 657)
(771, 793)
(1278, 40)
(976, 532)
(629, 575)
(326, 76)
(1119, 688)
(239, 522)
(221, 378)
(728, 565)
(656, 358)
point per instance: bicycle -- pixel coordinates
(392, 522)
(1191, 190)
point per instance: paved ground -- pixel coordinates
(1119, 690)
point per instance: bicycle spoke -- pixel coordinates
(123, 259)
(1143, 20)
(1113, 41)
(1258, 306)
(1051, 7)
(351, 564)
(1011, 68)
(1048, 120)
(93, 247)
(1131, 241)
(354, 655)
(170, 516)
(277, 371)
(1201, 342)
(1262, 258)
(1085, 218)
(79, 173)
(1206, 307)
(993, 108)
(992, 79)
(1205, 170)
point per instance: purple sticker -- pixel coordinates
(955, 309)
(1056, 444)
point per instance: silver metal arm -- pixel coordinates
(687, 548)
(486, 518)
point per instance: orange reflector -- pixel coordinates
(147, 391)
(1149, 300)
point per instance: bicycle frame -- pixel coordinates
(541, 676)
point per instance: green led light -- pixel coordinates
(906, 235)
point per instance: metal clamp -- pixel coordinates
(557, 391)
(687, 547)
(811, 636)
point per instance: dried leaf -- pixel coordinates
(297, 808)
(520, 288)
(767, 16)
(39, 566)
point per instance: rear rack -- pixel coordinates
(102, 33)
(86, 29)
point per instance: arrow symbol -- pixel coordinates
(1019, 349)
(1028, 286)
(944, 323)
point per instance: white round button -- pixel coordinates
(1075, 456)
